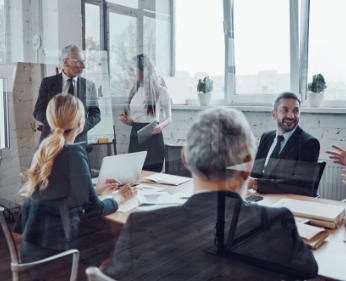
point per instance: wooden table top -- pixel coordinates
(330, 256)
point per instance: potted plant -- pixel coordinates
(204, 89)
(316, 91)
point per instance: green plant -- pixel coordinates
(318, 84)
(205, 86)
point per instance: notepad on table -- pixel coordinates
(166, 179)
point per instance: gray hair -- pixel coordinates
(220, 137)
(68, 49)
(284, 95)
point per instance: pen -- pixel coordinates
(121, 185)
(184, 197)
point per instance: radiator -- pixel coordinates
(331, 186)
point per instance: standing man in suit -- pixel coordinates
(69, 82)
(286, 157)
(173, 242)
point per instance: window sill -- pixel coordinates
(323, 110)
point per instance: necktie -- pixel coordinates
(70, 87)
(275, 154)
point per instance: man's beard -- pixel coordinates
(282, 126)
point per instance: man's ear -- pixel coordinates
(64, 62)
(274, 114)
(183, 158)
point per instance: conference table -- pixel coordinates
(330, 256)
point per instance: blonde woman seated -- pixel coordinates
(57, 164)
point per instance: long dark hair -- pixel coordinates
(152, 82)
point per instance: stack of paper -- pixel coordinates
(166, 179)
(312, 236)
(329, 216)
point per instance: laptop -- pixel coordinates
(125, 167)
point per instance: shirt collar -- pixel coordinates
(65, 77)
(287, 135)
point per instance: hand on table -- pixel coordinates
(126, 193)
(338, 156)
(156, 130)
(108, 184)
(252, 181)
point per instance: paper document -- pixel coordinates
(145, 133)
(147, 197)
(167, 179)
(308, 231)
(146, 187)
(128, 205)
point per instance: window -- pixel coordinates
(327, 45)
(136, 27)
(200, 47)
(2, 32)
(92, 27)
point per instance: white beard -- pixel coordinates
(243, 189)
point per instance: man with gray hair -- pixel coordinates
(173, 242)
(286, 157)
(69, 82)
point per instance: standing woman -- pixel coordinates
(147, 97)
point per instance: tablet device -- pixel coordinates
(145, 133)
(125, 167)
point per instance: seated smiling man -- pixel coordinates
(286, 157)
(173, 242)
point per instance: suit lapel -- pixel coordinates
(291, 142)
(81, 89)
(58, 84)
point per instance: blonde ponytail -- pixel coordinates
(63, 114)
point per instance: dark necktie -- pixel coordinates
(275, 154)
(70, 87)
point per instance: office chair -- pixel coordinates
(173, 163)
(17, 267)
(94, 274)
(320, 166)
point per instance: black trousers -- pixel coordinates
(154, 146)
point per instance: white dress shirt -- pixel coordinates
(138, 110)
(66, 84)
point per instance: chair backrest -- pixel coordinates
(94, 274)
(9, 237)
(320, 165)
(173, 163)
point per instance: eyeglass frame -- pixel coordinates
(78, 62)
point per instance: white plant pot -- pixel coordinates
(315, 100)
(204, 99)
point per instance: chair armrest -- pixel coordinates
(94, 274)
(75, 259)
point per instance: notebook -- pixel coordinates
(125, 167)
(329, 216)
(166, 179)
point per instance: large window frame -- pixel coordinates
(299, 43)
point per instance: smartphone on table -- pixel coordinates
(253, 198)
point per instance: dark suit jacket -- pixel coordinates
(51, 86)
(294, 170)
(172, 243)
(39, 220)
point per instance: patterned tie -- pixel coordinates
(70, 87)
(275, 154)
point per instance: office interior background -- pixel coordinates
(253, 50)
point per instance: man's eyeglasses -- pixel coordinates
(78, 62)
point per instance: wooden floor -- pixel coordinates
(99, 244)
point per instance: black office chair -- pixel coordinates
(320, 165)
(173, 163)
